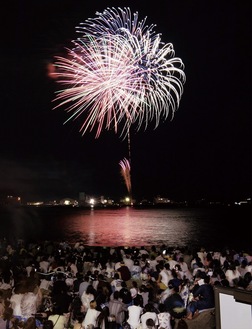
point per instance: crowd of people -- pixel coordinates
(55, 285)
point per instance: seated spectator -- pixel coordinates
(164, 317)
(232, 273)
(48, 324)
(91, 316)
(150, 324)
(116, 283)
(148, 313)
(87, 297)
(182, 324)
(174, 304)
(117, 308)
(203, 297)
(134, 313)
(143, 291)
(124, 272)
(30, 323)
(6, 318)
(125, 294)
(136, 270)
(59, 319)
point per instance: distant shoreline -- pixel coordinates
(135, 206)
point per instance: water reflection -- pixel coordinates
(127, 226)
(130, 227)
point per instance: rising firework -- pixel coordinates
(125, 172)
(119, 74)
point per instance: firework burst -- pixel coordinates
(125, 172)
(119, 74)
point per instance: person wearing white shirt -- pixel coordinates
(149, 313)
(134, 313)
(128, 262)
(91, 316)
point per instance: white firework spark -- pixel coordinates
(119, 73)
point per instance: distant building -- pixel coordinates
(68, 202)
(161, 200)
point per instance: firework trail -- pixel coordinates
(119, 73)
(125, 172)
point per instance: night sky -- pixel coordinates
(204, 153)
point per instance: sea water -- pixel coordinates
(212, 228)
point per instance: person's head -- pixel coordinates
(93, 304)
(150, 323)
(174, 273)
(123, 284)
(178, 267)
(116, 276)
(244, 263)
(167, 266)
(16, 324)
(182, 324)
(137, 302)
(79, 317)
(143, 288)
(161, 265)
(7, 313)
(57, 310)
(100, 277)
(161, 307)
(134, 284)
(148, 307)
(89, 289)
(207, 279)
(225, 283)
(248, 277)
(116, 295)
(48, 324)
(30, 323)
(174, 284)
